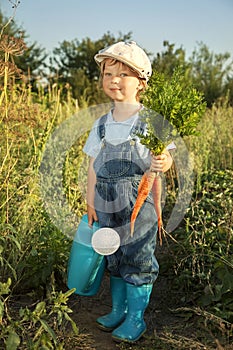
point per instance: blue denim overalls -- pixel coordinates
(119, 170)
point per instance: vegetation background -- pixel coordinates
(35, 97)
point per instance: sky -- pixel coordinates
(185, 23)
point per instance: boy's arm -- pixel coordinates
(91, 181)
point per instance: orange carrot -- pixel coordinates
(149, 181)
(157, 193)
(144, 188)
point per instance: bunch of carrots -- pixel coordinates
(151, 181)
(179, 108)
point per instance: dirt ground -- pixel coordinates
(87, 309)
(159, 318)
(166, 329)
(171, 322)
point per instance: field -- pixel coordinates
(192, 302)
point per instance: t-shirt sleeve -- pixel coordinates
(171, 146)
(93, 143)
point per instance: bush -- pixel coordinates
(204, 261)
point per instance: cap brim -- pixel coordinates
(100, 57)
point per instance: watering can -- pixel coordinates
(86, 266)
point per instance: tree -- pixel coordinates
(210, 73)
(169, 59)
(228, 89)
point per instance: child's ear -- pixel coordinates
(140, 85)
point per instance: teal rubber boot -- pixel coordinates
(134, 325)
(117, 315)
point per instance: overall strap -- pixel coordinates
(101, 126)
(138, 128)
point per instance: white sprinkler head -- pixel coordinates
(105, 241)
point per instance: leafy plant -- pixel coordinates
(206, 265)
(38, 327)
(175, 109)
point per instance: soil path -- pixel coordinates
(166, 330)
(87, 309)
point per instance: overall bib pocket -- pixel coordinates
(116, 164)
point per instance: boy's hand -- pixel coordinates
(161, 163)
(91, 214)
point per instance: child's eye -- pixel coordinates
(123, 74)
(107, 74)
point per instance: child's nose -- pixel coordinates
(115, 79)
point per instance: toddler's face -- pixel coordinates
(120, 82)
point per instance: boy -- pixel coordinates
(117, 163)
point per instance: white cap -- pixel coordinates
(129, 53)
